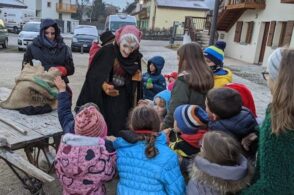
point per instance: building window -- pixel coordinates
(287, 31)
(48, 4)
(238, 32)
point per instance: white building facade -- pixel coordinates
(59, 10)
(259, 31)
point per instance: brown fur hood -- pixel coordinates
(222, 178)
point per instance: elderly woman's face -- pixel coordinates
(127, 47)
(50, 33)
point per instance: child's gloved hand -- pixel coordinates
(60, 84)
(109, 89)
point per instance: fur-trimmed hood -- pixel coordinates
(222, 178)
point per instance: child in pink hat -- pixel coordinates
(84, 161)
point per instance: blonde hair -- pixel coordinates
(220, 148)
(282, 107)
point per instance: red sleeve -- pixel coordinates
(62, 69)
(93, 50)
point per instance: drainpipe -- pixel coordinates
(213, 22)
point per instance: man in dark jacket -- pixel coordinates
(48, 48)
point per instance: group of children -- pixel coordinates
(212, 146)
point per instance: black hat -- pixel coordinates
(106, 36)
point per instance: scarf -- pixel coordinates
(130, 64)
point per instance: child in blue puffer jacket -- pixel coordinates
(153, 80)
(145, 163)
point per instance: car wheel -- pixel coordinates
(15, 29)
(4, 45)
(20, 49)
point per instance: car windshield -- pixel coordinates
(86, 31)
(32, 27)
(114, 25)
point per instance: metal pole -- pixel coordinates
(214, 21)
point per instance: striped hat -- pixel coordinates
(90, 122)
(215, 54)
(190, 118)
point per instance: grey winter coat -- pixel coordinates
(213, 179)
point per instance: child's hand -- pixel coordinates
(246, 141)
(60, 84)
(167, 131)
(149, 86)
(111, 138)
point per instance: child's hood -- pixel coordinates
(165, 95)
(239, 125)
(223, 178)
(158, 62)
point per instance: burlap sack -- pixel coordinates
(33, 87)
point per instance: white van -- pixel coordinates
(14, 19)
(114, 22)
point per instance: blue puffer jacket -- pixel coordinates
(239, 126)
(158, 80)
(140, 175)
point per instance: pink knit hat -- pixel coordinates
(90, 122)
(128, 29)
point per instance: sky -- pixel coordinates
(120, 3)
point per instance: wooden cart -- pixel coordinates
(33, 134)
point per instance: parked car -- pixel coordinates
(3, 34)
(83, 36)
(29, 31)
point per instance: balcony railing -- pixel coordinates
(245, 4)
(66, 8)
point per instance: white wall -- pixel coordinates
(274, 11)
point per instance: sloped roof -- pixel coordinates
(183, 4)
(12, 4)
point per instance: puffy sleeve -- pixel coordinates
(173, 180)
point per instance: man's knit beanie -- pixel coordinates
(190, 118)
(274, 62)
(90, 122)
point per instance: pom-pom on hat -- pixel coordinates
(90, 122)
(190, 118)
(215, 54)
(221, 44)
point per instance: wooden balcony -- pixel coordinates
(287, 1)
(233, 9)
(245, 4)
(66, 8)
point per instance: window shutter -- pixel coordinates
(271, 33)
(288, 32)
(238, 32)
(249, 32)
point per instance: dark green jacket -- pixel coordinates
(275, 162)
(182, 94)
